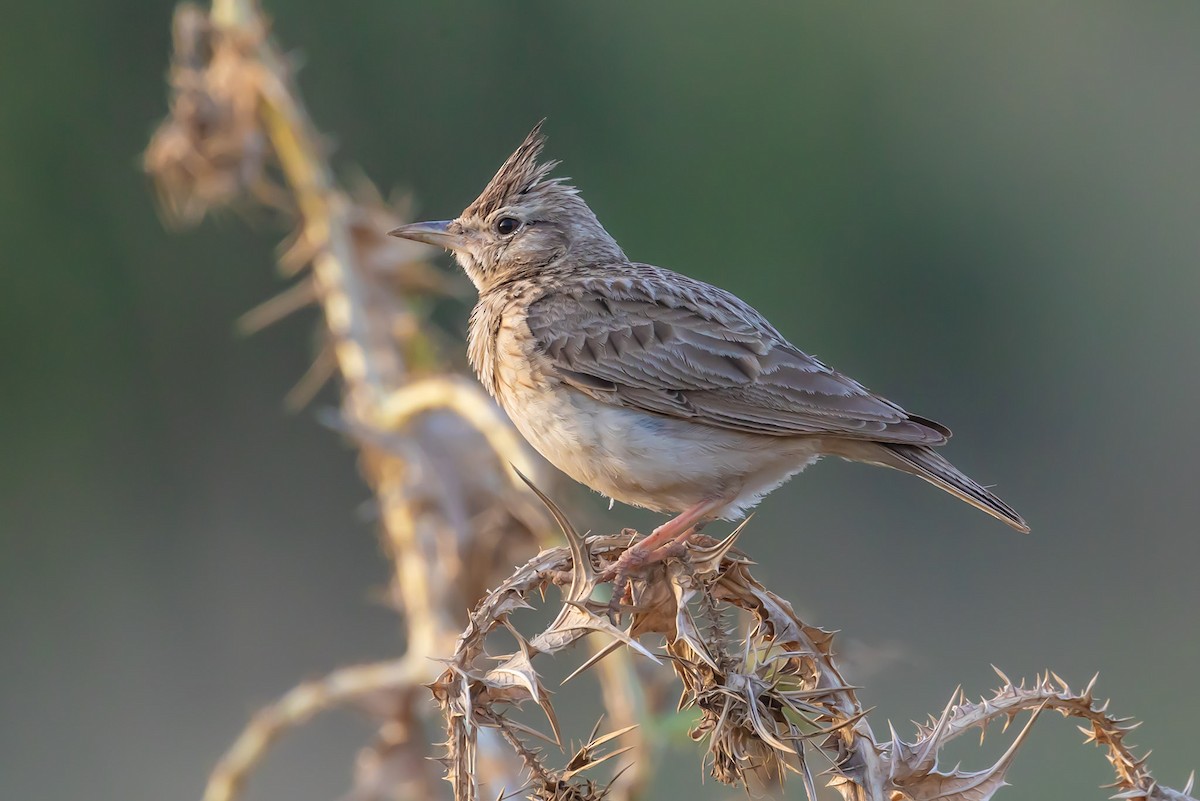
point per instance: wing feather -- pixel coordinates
(667, 344)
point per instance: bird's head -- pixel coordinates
(522, 223)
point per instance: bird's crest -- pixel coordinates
(521, 174)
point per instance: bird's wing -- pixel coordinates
(670, 345)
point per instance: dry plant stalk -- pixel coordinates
(769, 694)
(433, 447)
(766, 686)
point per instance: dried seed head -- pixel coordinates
(211, 148)
(762, 680)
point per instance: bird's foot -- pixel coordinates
(622, 597)
(619, 573)
(633, 562)
(629, 563)
(674, 549)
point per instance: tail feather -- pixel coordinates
(928, 464)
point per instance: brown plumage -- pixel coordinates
(651, 387)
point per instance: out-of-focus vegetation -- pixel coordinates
(985, 212)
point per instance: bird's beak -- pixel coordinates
(431, 233)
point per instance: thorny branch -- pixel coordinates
(769, 694)
(764, 684)
(434, 449)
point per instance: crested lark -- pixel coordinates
(650, 387)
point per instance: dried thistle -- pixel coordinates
(913, 766)
(434, 449)
(770, 697)
(764, 691)
(211, 149)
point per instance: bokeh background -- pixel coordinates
(990, 212)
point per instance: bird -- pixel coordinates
(653, 388)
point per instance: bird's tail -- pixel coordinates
(928, 464)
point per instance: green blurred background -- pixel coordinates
(990, 212)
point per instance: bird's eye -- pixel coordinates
(506, 225)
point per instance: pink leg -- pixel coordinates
(659, 545)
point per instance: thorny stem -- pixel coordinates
(434, 449)
(771, 709)
(296, 707)
(364, 347)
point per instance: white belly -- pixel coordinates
(662, 463)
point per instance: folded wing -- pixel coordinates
(663, 343)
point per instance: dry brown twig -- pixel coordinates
(765, 685)
(433, 447)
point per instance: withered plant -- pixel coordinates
(768, 697)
